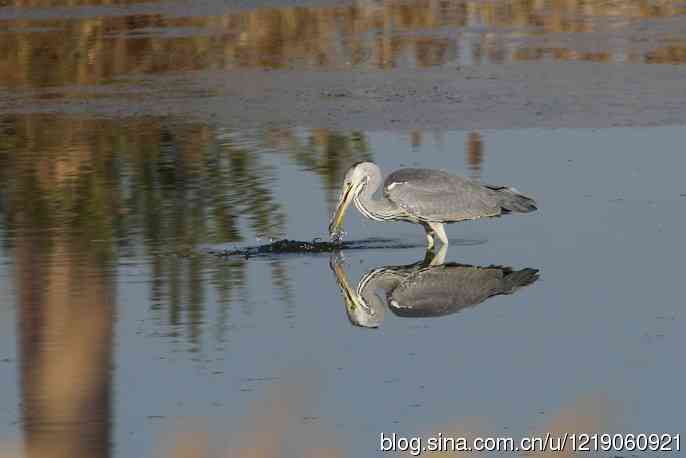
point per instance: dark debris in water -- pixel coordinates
(286, 246)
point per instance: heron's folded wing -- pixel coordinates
(434, 196)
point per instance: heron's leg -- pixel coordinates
(433, 258)
(439, 258)
(429, 237)
(439, 230)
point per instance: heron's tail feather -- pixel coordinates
(513, 201)
(519, 279)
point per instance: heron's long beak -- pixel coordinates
(337, 217)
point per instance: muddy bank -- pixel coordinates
(171, 8)
(518, 95)
(479, 97)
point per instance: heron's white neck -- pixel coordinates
(380, 209)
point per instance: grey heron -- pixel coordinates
(424, 289)
(423, 196)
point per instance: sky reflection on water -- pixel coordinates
(234, 327)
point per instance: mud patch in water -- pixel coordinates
(286, 246)
(316, 246)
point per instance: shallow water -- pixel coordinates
(198, 338)
(123, 334)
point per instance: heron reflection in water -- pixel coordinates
(424, 289)
(423, 196)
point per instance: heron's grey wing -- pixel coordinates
(449, 288)
(434, 195)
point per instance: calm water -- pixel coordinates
(184, 337)
(121, 336)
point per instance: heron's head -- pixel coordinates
(354, 182)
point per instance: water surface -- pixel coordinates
(191, 335)
(122, 335)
